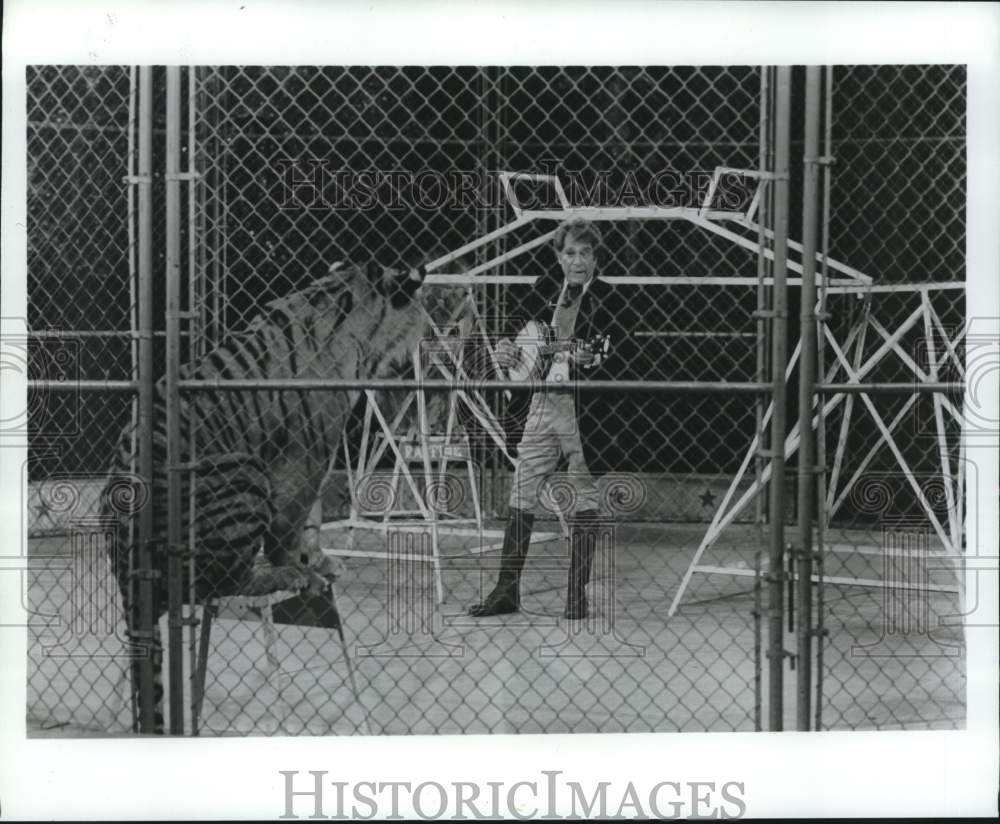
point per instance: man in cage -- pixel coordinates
(577, 328)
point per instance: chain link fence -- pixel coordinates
(399, 165)
(278, 174)
(80, 308)
(894, 655)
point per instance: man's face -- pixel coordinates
(577, 260)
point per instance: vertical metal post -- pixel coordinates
(196, 289)
(147, 378)
(213, 165)
(821, 513)
(760, 373)
(779, 357)
(220, 106)
(174, 459)
(480, 295)
(807, 391)
(501, 294)
(199, 164)
(196, 337)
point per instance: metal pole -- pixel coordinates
(499, 307)
(387, 385)
(199, 160)
(437, 384)
(213, 164)
(779, 357)
(146, 380)
(807, 381)
(822, 513)
(174, 457)
(196, 332)
(196, 291)
(931, 387)
(760, 375)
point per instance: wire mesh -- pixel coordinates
(290, 170)
(894, 655)
(399, 165)
(80, 300)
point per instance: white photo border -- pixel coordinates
(848, 774)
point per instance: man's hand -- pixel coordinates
(508, 354)
(593, 354)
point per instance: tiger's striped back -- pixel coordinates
(260, 457)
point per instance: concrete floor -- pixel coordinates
(425, 668)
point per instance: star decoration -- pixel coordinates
(43, 509)
(707, 498)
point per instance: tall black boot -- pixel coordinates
(583, 543)
(506, 595)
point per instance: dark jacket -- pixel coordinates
(604, 310)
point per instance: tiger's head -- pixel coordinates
(390, 316)
(382, 319)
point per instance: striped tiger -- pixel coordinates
(260, 457)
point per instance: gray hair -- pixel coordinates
(577, 228)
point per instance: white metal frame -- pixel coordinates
(703, 216)
(847, 281)
(937, 340)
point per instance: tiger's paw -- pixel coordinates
(268, 579)
(327, 567)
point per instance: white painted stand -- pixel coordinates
(941, 347)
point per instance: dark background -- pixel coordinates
(897, 214)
